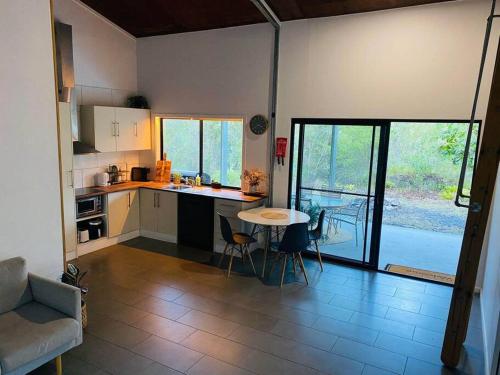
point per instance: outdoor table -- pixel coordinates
(268, 217)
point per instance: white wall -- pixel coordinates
(490, 293)
(104, 55)
(217, 72)
(30, 209)
(105, 60)
(415, 62)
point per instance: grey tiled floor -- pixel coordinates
(157, 309)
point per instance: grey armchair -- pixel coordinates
(40, 319)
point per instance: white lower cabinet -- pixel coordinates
(123, 212)
(230, 209)
(158, 214)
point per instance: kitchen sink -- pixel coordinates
(178, 187)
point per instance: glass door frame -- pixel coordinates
(378, 194)
(385, 129)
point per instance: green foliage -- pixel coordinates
(449, 192)
(423, 157)
(313, 210)
(453, 140)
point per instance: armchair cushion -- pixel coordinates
(14, 285)
(59, 296)
(33, 331)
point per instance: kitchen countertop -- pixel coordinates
(230, 194)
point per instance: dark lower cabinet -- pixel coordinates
(195, 221)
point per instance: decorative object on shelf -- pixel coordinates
(137, 101)
(253, 178)
(73, 276)
(216, 185)
(259, 124)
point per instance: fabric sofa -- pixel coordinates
(40, 319)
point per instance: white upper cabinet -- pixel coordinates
(104, 128)
(111, 129)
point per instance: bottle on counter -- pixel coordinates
(198, 180)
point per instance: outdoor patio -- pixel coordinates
(423, 249)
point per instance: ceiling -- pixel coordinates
(157, 17)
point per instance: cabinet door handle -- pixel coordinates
(135, 128)
(154, 200)
(117, 123)
(129, 199)
(158, 200)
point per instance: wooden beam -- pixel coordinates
(475, 228)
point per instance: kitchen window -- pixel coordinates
(212, 148)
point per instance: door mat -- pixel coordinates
(421, 274)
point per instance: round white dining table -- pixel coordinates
(269, 217)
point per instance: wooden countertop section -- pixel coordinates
(230, 194)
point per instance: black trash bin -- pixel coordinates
(95, 228)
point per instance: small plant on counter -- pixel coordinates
(177, 177)
(253, 177)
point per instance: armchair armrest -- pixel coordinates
(59, 296)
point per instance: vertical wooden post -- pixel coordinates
(477, 220)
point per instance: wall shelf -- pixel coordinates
(89, 217)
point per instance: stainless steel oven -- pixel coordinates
(88, 206)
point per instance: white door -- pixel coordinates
(117, 212)
(142, 123)
(105, 129)
(126, 138)
(132, 221)
(167, 214)
(148, 212)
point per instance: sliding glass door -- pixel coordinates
(336, 168)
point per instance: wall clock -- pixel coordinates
(258, 124)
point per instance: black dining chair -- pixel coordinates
(234, 241)
(294, 241)
(316, 234)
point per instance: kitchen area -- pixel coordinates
(110, 190)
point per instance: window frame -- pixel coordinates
(200, 120)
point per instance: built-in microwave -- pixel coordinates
(88, 206)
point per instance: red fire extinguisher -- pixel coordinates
(281, 150)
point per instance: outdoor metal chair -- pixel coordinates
(354, 214)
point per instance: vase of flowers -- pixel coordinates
(253, 178)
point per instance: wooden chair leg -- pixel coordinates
(293, 264)
(230, 262)
(59, 365)
(303, 268)
(251, 260)
(319, 255)
(223, 255)
(283, 269)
